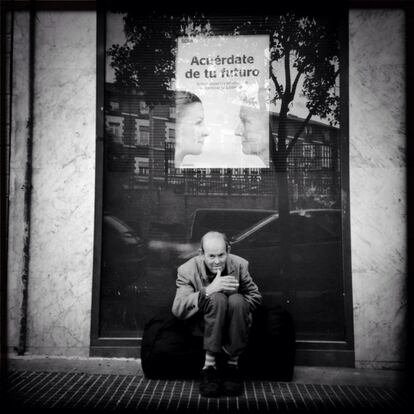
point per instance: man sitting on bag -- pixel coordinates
(217, 295)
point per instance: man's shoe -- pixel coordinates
(209, 382)
(232, 381)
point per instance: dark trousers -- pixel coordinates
(225, 321)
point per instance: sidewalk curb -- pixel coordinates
(132, 366)
(89, 365)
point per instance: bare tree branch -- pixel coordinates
(287, 73)
(306, 121)
(294, 86)
(277, 85)
(299, 131)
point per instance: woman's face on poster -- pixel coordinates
(191, 129)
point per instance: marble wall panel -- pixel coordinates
(60, 284)
(377, 185)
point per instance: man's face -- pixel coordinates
(191, 129)
(215, 254)
(253, 130)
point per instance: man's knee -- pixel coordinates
(218, 300)
(237, 301)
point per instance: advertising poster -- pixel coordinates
(222, 105)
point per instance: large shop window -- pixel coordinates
(228, 123)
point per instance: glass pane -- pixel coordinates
(285, 218)
(317, 299)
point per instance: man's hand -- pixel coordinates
(226, 284)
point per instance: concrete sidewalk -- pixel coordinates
(130, 366)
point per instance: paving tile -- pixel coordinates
(109, 393)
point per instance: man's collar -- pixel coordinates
(230, 265)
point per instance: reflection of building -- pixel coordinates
(314, 162)
(141, 141)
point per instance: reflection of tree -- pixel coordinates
(305, 47)
(147, 59)
(308, 48)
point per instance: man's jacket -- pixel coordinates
(192, 278)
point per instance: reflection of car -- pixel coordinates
(123, 254)
(307, 227)
(311, 283)
(315, 239)
(229, 221)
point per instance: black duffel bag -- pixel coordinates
(270, 353)
(169, 350)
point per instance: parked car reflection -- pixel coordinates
(123, 265)
(230, 221)
(311, 287)
(306, 227)
(315, 239)
(123, 248)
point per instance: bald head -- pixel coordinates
(213, 237)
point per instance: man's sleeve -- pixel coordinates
(186, 298)
(248, 288)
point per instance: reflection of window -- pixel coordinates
(326, 156)
(308, 150)
(169, 132)
(114, 127)
(141, 166)
(114, 106)
(143, 107)
(143, 136)
(171, 135)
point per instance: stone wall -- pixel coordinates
(377, 185)
(62, 214)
